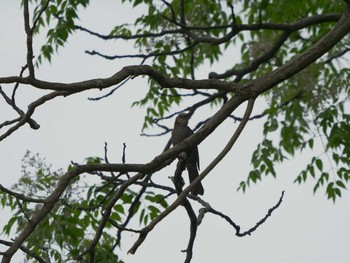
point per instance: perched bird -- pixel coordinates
(180, 132)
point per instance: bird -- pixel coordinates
(180, 132)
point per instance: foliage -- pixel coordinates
(298, 109)
(309, 111)
(71, 224)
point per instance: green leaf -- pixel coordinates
(319, 165)
(142, 214)
(7, 228)
(116, 217)
(93, 160)
(340, 184)
(119, 208)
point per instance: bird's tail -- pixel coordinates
(193, 174)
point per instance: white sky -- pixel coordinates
(306, 228)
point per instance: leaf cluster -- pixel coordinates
(76, 217)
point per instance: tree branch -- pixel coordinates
(25, 250)
(29, 33)
(124, 73)
(208, 208)
(21, 196)
(183, 194)
(31, 108)
(32, 123)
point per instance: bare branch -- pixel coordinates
(112, 91)
(131, 210)
(21, 196)
(340, 54)
(293, 26)
(32, 123)
(173, 19)
(42, 10)
(200, 38)
(124, 73)
(17, 84)
(29, 33)
(25, 250)
(208, 208)
(257, 62)
(269, 212)
(125, 37)
(179, 183)
(121, 228)
(22, 210)
(31, 108)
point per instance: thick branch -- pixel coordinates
(303, 60)
(136, 70)
(25, 250)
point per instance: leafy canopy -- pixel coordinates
(309, 111)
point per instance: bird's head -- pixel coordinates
(182, 119)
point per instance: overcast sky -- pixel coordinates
(306, 227)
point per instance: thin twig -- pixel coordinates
(21, 196)
(207, 208)
(29, 33)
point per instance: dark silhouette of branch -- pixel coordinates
(123, 156)
(31, 108)
(111, 92)
(207, 208)
(340, 54)
(144, 56)
(165, 128)
(124, 73)
(125, 37)
(288, 28)
(106, 214)
(179, 183)
(32, 123)
(17, 84)
(21, 196)
(173, 15)
(25, 250)
(29, 32)
(293, 26)
(108, 208)
(264, 113)
(42, 10)
(269, 212)
(131, 210)
(120, 229)
(22, 209)
(239, 73)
